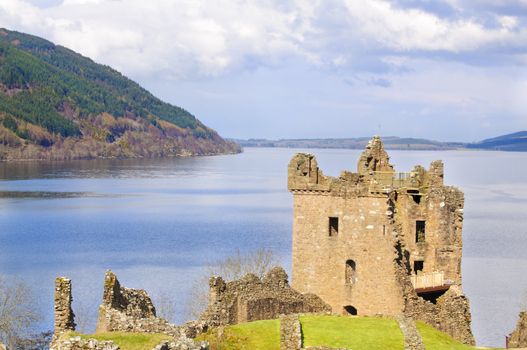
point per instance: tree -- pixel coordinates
(258, 262)
(18, 311)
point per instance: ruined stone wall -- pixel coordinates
(518, 338)
(129, 310)
(250, 299)
(450, 314)
(290, 333)
(64, 317)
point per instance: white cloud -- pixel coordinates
(415, 29)
(192, 38)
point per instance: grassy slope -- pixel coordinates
(355, 333)
(435, 340)
(352, 332)
(257, 335)
(128, 341)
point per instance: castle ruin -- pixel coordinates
(251, 298)
(379, 242)
(129, 310)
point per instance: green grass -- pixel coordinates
(128, 341)
(257, 335)
(355, 333)
(436, 340)
(371, 333)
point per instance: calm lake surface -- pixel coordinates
(157, 223)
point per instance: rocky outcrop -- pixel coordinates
(251, 298)
(518, 338)
(129, 310)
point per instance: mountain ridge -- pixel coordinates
(516, 141)
(58, 104)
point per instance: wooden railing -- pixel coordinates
(428, 280)
(387, 180)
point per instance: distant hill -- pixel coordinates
(390, 142)
(510, 142)
(57, 104)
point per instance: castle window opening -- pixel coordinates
(416, 198)
(333, 226)
(418, 266)
(420, 231)
(350, 310)
(350, 272)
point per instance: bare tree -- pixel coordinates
(165, 305)
(18, 311)
(258, 262)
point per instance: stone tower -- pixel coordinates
(63, 313)
(378, 241)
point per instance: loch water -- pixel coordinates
(158, 222)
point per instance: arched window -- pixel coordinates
(350, 272)
(350, 310)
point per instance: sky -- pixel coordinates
(449, 70)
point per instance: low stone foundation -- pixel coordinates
(182, 343)
(290, 333)
(412, 338)
(76, 343)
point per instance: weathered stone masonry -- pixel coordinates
(64, 317)
(380, 242)
(518, 338)
(129, 310)
(251, 298)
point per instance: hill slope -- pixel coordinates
(57, 104)
(510, 142)
(390, 142)
(357, 333)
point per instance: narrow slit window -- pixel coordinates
(350, 272)
(333, 226)
(420, 231)
(419, 265)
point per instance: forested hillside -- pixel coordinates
(57, 104)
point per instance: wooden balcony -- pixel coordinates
(430, 282)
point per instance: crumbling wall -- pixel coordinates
(450, 314)
(64, 317)
(374, 158)
(129, 310)
(518, 338)
(251, 298)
